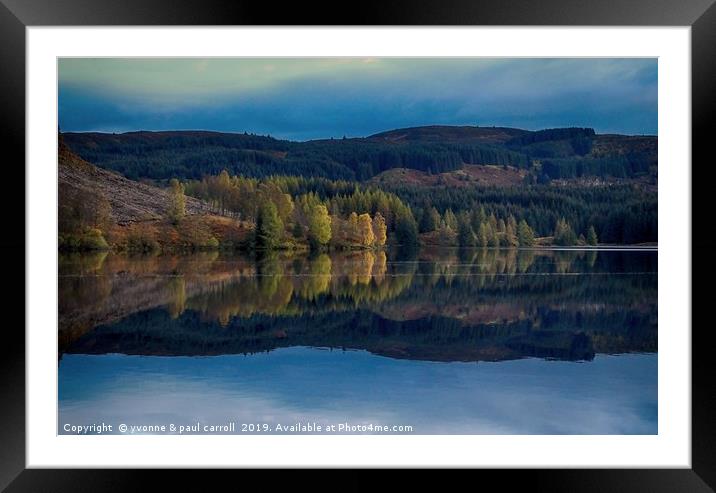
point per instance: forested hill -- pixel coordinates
(543, 155)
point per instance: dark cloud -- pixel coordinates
(610, 95)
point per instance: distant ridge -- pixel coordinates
(448, 133)
(190, 154)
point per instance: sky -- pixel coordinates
(311, 98)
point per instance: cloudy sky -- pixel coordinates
(308, 98)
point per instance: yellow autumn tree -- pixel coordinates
(365, 230)
(319, 226)
(177, 201)
(379, 229)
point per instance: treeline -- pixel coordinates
(619, 214)
(308, 296)
(288, 212)
(568, 153)
(191, 155)
(551, 134)
(621, 166)
(470, 228)
(554, 143)
(194, 156)
(292, 210)
(368, 158)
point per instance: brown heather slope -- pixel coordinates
(130, 201)
(468, 175)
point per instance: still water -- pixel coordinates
(443, 341)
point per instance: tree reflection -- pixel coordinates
(487, 289)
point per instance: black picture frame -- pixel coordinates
(16, 15)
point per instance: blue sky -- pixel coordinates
(308, 98)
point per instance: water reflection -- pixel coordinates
(363, 337)
(481, 305)
(610, 395)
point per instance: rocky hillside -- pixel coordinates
(130, 201)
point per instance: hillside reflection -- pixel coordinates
(442, 305)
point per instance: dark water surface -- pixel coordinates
(446, 341)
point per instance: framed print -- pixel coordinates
(450, 238)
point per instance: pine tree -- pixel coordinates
(510, 237)
(450, 220)
(493, 240)
(483, 239)
(430, 220)
(477, 217)
(465, 235)
(406, 230)
(501, 227)
(592, 236)
(564, 234)
(525, 235)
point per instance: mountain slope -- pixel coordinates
(469, 175)
(130, 201)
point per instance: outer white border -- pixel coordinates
(670, 448)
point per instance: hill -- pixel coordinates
(447, 133)
(545, 154)
(467, 176)
(129, 201)
(100, 209)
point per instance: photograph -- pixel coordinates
(357, 245)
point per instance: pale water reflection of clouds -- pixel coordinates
(610, 395)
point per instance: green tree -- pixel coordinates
(493, 239)
(510, 237)
(450, 220)
(93, 240)
(592, 236)
(465, 235)
(501, 227)
(483, 239)
(430, 220)
(477, 217)
(525, 235)
(269, 228)
(319, 226)
(406, 230)
(284, 204)
(177, 201)
(564, 234)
